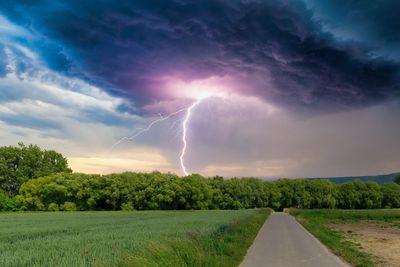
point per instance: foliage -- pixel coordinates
(397, 179)
(360, 195)
(8, 203)
(318, 222)
(313, 193)
(67, 206)
(157, 191)
(56, 188)
(225, 247)
(19, 164)
(391, 196)
(53, 207)
(104, 238)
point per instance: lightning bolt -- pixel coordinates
(148, 128)
(184, 135)
(185, 124)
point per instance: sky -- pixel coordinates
(291, 88)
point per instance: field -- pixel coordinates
(120, 238)
(361, 237)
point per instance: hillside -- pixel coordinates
(380, 179)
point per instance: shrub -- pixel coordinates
(127, 206)
(8, 203)
(53, 207)
(68, 206)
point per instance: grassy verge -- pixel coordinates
(318, 222)
(225, 247)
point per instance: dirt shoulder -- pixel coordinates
(380, 241)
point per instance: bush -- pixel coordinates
(8, 203)
(68, 206)
(127, 206)
(53, 207)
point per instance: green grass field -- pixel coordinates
(117, 238)
(318, 222)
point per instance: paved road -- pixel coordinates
(283, 242)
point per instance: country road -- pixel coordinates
(283, 242)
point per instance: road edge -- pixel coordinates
(337, 258)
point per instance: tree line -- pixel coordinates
(157, 191)
(35, 179)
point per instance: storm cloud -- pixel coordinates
(280, 51)
(308, 87)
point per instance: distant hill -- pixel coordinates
(380, 179)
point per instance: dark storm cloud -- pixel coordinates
(276, 48)
(374, 22)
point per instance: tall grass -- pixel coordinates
(99, 238)
(225, 247)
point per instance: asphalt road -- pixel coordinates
(282, 241)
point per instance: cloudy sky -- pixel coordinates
(300, 88)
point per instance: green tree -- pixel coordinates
(155, 191)
(285, 187)
(391, 195)
(360, 195)
(397, 179)
(21, 163)
(195, 193)
(323, 193)
(274, 195)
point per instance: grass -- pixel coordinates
(121, 238)
(318, 221)
(225, 247)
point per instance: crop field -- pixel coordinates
(361, 237)
(99, 238)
